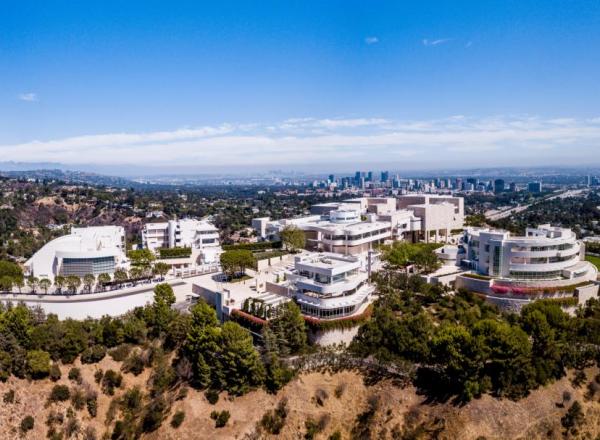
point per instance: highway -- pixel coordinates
(494, 214)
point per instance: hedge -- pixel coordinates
(570, 301)
(476, 276)
(183, 252)
(261, 246)
(247, 320)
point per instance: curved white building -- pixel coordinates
(93, 250)
(329, 286)
(544, 253)
(546, 261)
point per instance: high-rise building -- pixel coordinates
(473, 180)
(499, 186)
(385, 176)
(331, 178)
(369, 176)
(534, 187)
(512, 187)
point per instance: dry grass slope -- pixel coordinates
(337, 401)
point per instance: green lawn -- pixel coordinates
(594, 260)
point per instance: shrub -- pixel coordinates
(120, 353)
(182, 394)
(9, 396)
(154, 415)
(78, 399)
(212, 396)
(27, 424)
(93, 354)
(110, 381)
(55, 418)
(118, 430)
(314, 427)
(72, 427)
(220, 417)
(38, 363)
(273, 421)
(131, 402)
(320, 396)
(91, 401)
(111, 411)
(53, 434)
(337, 435)
(98, 375)
(55, 373)
(133, 364)
(579, 378)
(89, 433)
(59, 393)
(75, 375)
(177, 419)
(363, 423)
(573, 418)
(339, 390)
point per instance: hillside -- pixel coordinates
(338, 402)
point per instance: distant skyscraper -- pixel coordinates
(512, 187)
(499, 186)
(369, 176)
(385, 176)
(357, 177)
(331, 178)
(534, 187)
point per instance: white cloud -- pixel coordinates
(427, 42)
(29, 97)
(371, 40)
(455, 139)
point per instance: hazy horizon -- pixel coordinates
(322, 86)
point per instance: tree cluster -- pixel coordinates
(465, 347)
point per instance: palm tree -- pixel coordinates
(32, 282)
(103, 279)
(60, 282)
(88, 281)
(45, 284)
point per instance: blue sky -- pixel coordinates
(290, 83)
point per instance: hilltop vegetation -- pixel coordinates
(32, 211)
(464, 347)
(177, 350)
